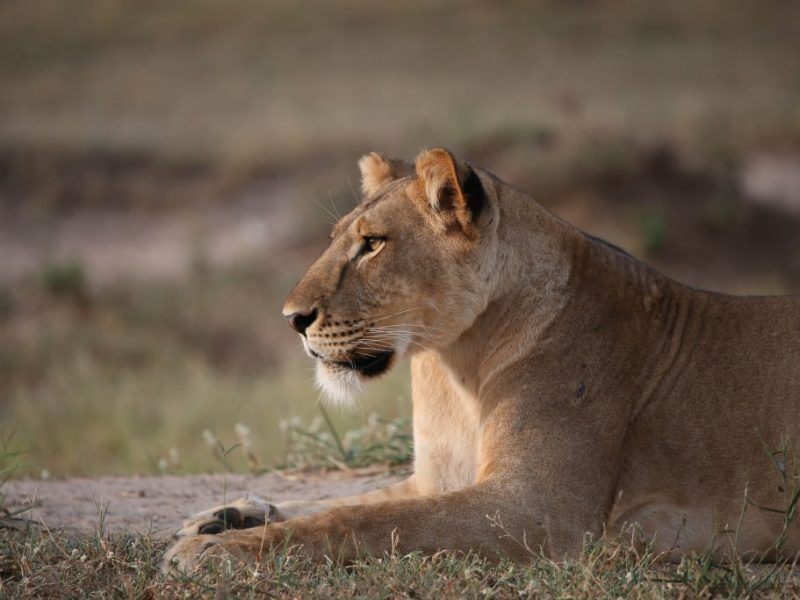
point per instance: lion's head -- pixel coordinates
(409, 269)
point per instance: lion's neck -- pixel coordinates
(548, 273)
(532, 267)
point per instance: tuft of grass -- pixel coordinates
(9, 465)
(314, 444)
(318, 444)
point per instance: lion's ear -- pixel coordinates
(377, 170)
(451, 187)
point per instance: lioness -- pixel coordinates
(560, 386)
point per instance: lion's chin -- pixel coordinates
(342, 382)
(338, 385)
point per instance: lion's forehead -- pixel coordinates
(369, 207)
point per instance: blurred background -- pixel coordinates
(169, 169)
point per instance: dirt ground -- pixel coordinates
(112, 244)
(158, 504)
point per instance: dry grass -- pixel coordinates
(36, 564)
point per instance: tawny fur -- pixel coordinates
(559, 385)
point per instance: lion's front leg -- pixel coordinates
(252, 511)
(463, 521)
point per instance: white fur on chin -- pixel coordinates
(339, 386)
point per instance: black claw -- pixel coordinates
(212, 528)
(252, 522)
(230, 516)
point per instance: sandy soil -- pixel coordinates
(158, 504)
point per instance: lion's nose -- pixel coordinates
(302, 321)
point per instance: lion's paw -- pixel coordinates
(188, 553)
(247, 512)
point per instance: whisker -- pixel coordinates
(356, 197)
(408, 339)
(328, 212)
(423, 346)
(372, 346)
(402, 312)
(417, 325)
(335, 209)
(408, 331)
(399, 332)
(380, 345)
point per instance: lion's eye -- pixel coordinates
(374, 243)
(371, 244)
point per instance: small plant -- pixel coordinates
(319, 445)
(9, 464)
(65, 280)
(171, 463)
(219, 450)
(653, 229)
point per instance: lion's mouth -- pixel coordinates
(369, 365)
